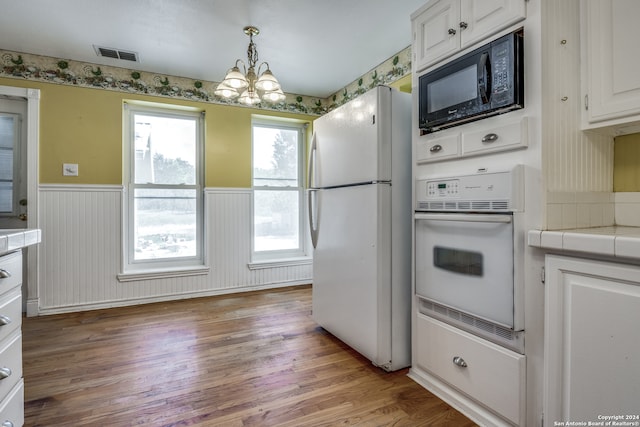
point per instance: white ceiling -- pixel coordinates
(313, 47)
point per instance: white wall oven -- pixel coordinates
(468, 257)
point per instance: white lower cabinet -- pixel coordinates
(12, 407)
(459, 362)
(11, 384)
(592, 341)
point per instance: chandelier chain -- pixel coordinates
(252, 52)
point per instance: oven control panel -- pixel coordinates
(483, 191)
(446, 188)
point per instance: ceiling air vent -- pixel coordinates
(109, 52)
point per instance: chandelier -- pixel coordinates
(248, 86)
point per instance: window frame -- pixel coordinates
(302, 251)
(160, 267)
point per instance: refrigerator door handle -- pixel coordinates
(313, 214)
(312, 161)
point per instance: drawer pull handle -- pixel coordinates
(7, 424)
(490, 137)
(436, 148)
(5, 373)
(459, 361)
(4, 320)
(4, 274)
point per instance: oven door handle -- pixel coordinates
(466, 217)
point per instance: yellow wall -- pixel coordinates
(84, 126)
(626, 163)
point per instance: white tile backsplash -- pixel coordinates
(569, 210)
(627, 209)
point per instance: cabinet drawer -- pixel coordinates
(493, 376)
(10, 312)
(12, 407)
(10, 363)
(507, 136)
(10, 271)
(434, 149)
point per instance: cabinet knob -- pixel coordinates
(490, 137)
(459, 361)
(452, 31)
(5, 373)
(463, 25)
(4, 274)
(4, 320)
(7, 424)
(436, 148)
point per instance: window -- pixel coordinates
(8, 162)
(164, 201)
(278, 191)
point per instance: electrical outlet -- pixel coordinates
(70, 169)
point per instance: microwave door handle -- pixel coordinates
(484, 77)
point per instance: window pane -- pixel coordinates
(165, 150)
(6, 132)
(164, 223)
(275, 156)
(6, 165)
(7, 140)
(276, 220)
(6, 197)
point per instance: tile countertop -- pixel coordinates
(13, 239)
(616, 241)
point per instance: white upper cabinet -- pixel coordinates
(443, 27)
(610, 34)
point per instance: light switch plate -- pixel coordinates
(70, 169)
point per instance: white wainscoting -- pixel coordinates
(80, 253)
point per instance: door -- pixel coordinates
(347, 148)
(24, 102)
(592, 350)
(483, 18)
(465, 261)
(352, 267)
(13, 163)
(436, 32)
(611, 36)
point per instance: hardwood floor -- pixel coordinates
(250, 359)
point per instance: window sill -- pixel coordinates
(285, 262)
(163, 274)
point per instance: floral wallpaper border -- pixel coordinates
(67, 72)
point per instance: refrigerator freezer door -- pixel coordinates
(352, 268)
(353, 142)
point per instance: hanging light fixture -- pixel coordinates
(246, 85)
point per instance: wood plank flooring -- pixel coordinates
(249, 359)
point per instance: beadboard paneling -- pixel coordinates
(81, 252)
(573, 160)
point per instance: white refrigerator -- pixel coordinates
(360, 220)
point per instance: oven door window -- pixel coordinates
(458, 261)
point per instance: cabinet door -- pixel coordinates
(483, 18)
(436, 32)
(592, 340)
(611, 32)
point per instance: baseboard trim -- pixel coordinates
(161, 298)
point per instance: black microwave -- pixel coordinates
(481, 83)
